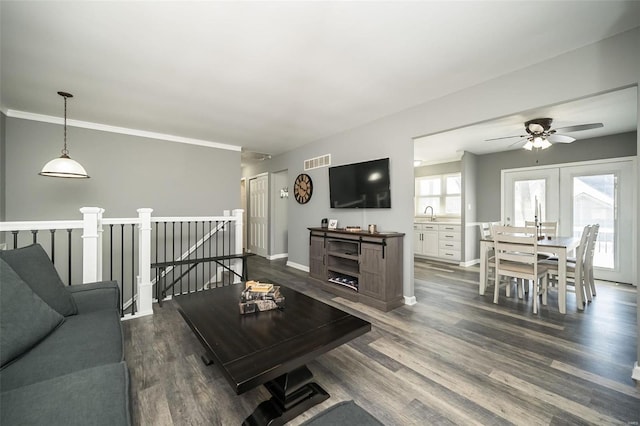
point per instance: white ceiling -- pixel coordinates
(616, 110)
(272, 76)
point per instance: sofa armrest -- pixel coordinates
(96, 296)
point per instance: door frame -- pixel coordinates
(265, 250)
(564, 219)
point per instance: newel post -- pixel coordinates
(145, 294)
(237, 213)
(92, 244)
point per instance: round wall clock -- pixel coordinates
(303, 188)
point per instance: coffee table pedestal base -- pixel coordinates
(292, 395)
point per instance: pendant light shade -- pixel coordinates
(64, 166)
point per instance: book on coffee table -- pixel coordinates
(258, 297)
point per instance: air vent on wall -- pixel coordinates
(314, 163)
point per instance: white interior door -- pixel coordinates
(259, 214)
(578, 194)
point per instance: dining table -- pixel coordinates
(559, 246)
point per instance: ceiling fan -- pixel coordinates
(540, 135)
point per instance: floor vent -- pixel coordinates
(315, 163)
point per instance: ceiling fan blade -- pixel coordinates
(560, 138)
(580, 127)
(506, 137)
(517, 142)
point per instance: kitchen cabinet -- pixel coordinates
(425, 239)
(441, 241)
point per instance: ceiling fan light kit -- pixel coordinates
(64, 166)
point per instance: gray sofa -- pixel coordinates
(61, 347)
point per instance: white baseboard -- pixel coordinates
(635, 375)
(298, 266)
(469, 263)
(277, 256)
(410, 300)
(137, 315)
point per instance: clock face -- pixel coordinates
(303, 188)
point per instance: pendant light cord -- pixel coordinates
(65, 151)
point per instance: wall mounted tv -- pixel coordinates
(360, 185)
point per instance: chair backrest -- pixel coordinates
(582, 250)
(514, 244)
(485, 230)
(547, 229)
(591, 246)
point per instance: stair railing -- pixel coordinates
(132, 241)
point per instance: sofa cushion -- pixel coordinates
(24, 318)
(33, 265)
(96, 396)
(96, 296)
(82, 341)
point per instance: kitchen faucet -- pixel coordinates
(425, 212)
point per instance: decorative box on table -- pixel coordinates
(257, 297)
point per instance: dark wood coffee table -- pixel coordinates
(269, 348)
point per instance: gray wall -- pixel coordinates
(438, 169)
(470, 229)
(279, 209)
(3, 167)
(489, 166)
(127, 172)
(607, 65)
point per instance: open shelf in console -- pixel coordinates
(346, 281)
(343, 263)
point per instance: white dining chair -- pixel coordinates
(575, 270)
(547, 229)
(590, 284)
(485, 234)
(516, 252)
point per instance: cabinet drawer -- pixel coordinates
(429, 227)
(449, 245)
(449, 254)
(417, 227)
(449, 228)
(449, 236)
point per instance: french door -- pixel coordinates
(578, 194)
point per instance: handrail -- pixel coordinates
(162, 293)
(40, 225)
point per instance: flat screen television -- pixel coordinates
(360, 185)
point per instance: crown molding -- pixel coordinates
(114, 129)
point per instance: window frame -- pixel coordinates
(442, 196)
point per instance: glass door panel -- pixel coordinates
(523, 188)
(526, 193)
(594, 202)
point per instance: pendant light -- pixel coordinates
(64, 166)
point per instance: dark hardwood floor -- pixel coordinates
(453, 358)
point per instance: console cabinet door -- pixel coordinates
(317, 268)
(372, 271)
